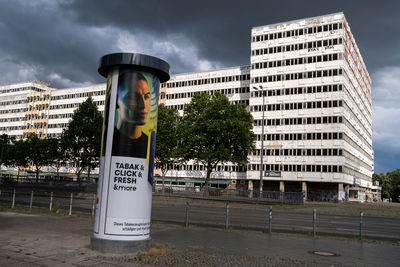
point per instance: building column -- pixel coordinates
(304, 190)
(346, 192)
(341, 194)
(282, 186)
(250, 188)
(282, 190)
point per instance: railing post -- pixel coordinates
(227, 217)
(270, 219)
(13, 200)
(361, 224)
(314, 222)
(187, 214)
(31, 202)
(94, 204)
(70, 205)
(51, 201)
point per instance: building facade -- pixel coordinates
(310, 93)
(307, 88)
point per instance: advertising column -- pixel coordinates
(123, 204)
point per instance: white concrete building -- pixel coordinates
(65, 101)
(317, 112)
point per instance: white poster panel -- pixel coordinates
(129, 198)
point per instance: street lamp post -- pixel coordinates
(261, 89)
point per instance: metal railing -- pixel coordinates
(263, 219)
(233, 195)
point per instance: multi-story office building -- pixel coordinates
(316, 115)
(65, 101)
(307, 88)
(318, 106)
(23, 108)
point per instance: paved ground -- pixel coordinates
(55, 240)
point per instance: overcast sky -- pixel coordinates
(61, 42)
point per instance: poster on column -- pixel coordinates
(128, 208)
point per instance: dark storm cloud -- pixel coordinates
(68, 37)
(221, 29)
(40, 35)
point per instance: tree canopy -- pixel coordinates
(167, 138)
(37, 152)
(390, 183)
(215, 131)
(81, 140)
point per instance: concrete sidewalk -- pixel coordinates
(55, 240)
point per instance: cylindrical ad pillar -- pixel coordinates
(124, 192)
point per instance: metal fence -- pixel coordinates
(232, 195)
(46, 184)
(58, 202)
(260, 219)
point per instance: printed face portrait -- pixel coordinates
(137, 103)
(133, 98)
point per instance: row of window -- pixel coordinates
(35, 116)
(297, 168)
(53, 135)
(11, 128)
(13, 102)
(38, 98)
(79, 95)
(301, 136)
(298, 90)
(297, 32)
(297, 61)
(61, 116)
(58, 125)
(300, 152)
(266, 167)
(311, 46)
(39, 107)
(243, 77)
(12, 119)
(74, 105)
(182, 106)
(297, 76)
(8, 111)
(226, 91)
(39, 134)
(298, 105)
(36, 125)
(4, 91)
(299, 121)
(219, 168)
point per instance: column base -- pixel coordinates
(119, 246)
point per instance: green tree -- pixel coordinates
(37, 152)
(215, 131)
(167, 139)
(18, 155)
(56, 154)
(394, 178)
(4, 149)
(81, 140)
(390, 183)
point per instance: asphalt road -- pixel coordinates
(293, 221)
(41, 239)
(282, 221)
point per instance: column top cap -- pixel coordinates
(137, 61)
